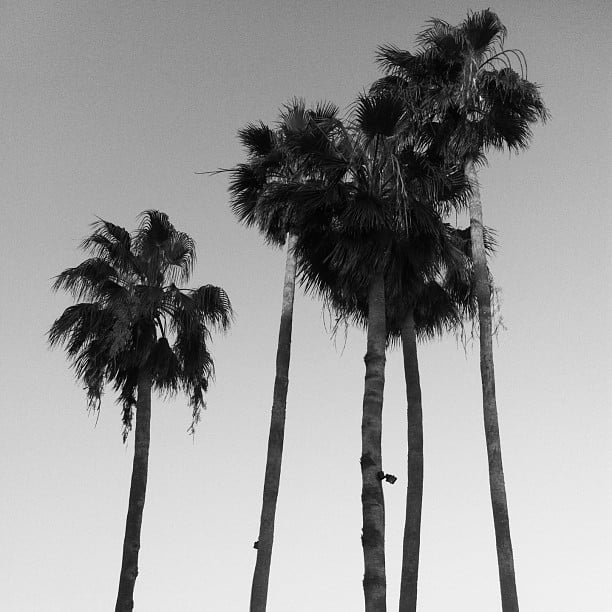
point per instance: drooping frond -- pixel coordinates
(126, 384)
(206, 305)
(113, 234)
(112, 244)
(92, 279)
(166, 366)
(191, 349)
(510, 106)
(181, 257)
(214, 305)
(79, 325)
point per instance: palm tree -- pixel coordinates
(364, 219)
(431, 292)
(476, 101)
(122, 333)
(346, 227)
(427, 291)
(254, 184)
(423, 309)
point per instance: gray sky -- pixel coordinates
(108, 109)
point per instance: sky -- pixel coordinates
(111, 108)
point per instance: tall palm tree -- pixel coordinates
(356, 214)
(122, 332)
(427, 291)
(430, 292)
(424, 307)
(422, 310)
(254, 184)
(347, 221)
(477, 101)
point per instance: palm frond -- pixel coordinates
(126, 383)
(324, 111)
(111, 233)
(293, 116)
(93, 278)
(154, 231)
(315, 148)
(112, 244)
(213, 305)
(435, 34)
(197, 366)
(378, 115)
(181, 257)
(78, 325)
(165, 366)
(391, 59)
(258, 139)
(246, 185)
(482, 31)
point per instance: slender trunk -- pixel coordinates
(138, 487)
(414, 493)
(497, 485)
(372, 500)
(259, 590)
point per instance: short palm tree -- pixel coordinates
(137, 330)
(476, 101)
(257, 198)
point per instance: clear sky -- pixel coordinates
(109, 108)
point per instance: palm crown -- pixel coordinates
(373, 199)
(134, 319)
(467, 84)
(261, 186)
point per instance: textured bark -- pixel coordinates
(414, 493)
(372, 500)
(261, 575)
(497, 485)
(138, 487)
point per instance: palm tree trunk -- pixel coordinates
(138, 487)
(259, 589)
(497, 485)
(372, 500)
(414, 493)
